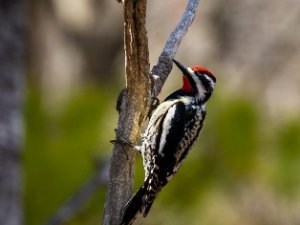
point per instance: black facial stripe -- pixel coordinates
(212, 77)
(205, 82)
(207, 74)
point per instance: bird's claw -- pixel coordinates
(123, 141)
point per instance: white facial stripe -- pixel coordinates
(199, 86)
(212, 83)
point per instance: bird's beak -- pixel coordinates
(183, 69)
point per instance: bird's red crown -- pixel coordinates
(202, 70)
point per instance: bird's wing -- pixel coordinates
(168, 136)
(169, 128)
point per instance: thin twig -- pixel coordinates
(75, 203)
(164, 65)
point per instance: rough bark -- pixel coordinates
(11, 92)
(137, 98)
(133, 109)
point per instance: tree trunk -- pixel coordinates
(133, 109)
(11, 92)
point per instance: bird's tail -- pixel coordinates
(140, 203)
(134, 206)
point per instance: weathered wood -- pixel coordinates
(134, 108)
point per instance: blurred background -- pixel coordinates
(245, 167)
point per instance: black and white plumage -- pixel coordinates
(172, 130)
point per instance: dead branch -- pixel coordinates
(164, 65)
(82, 196)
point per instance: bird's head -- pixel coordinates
(197, 80)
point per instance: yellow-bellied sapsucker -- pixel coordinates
(173, 128)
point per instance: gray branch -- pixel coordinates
(164, 65)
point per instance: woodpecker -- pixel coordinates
(172, 129)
